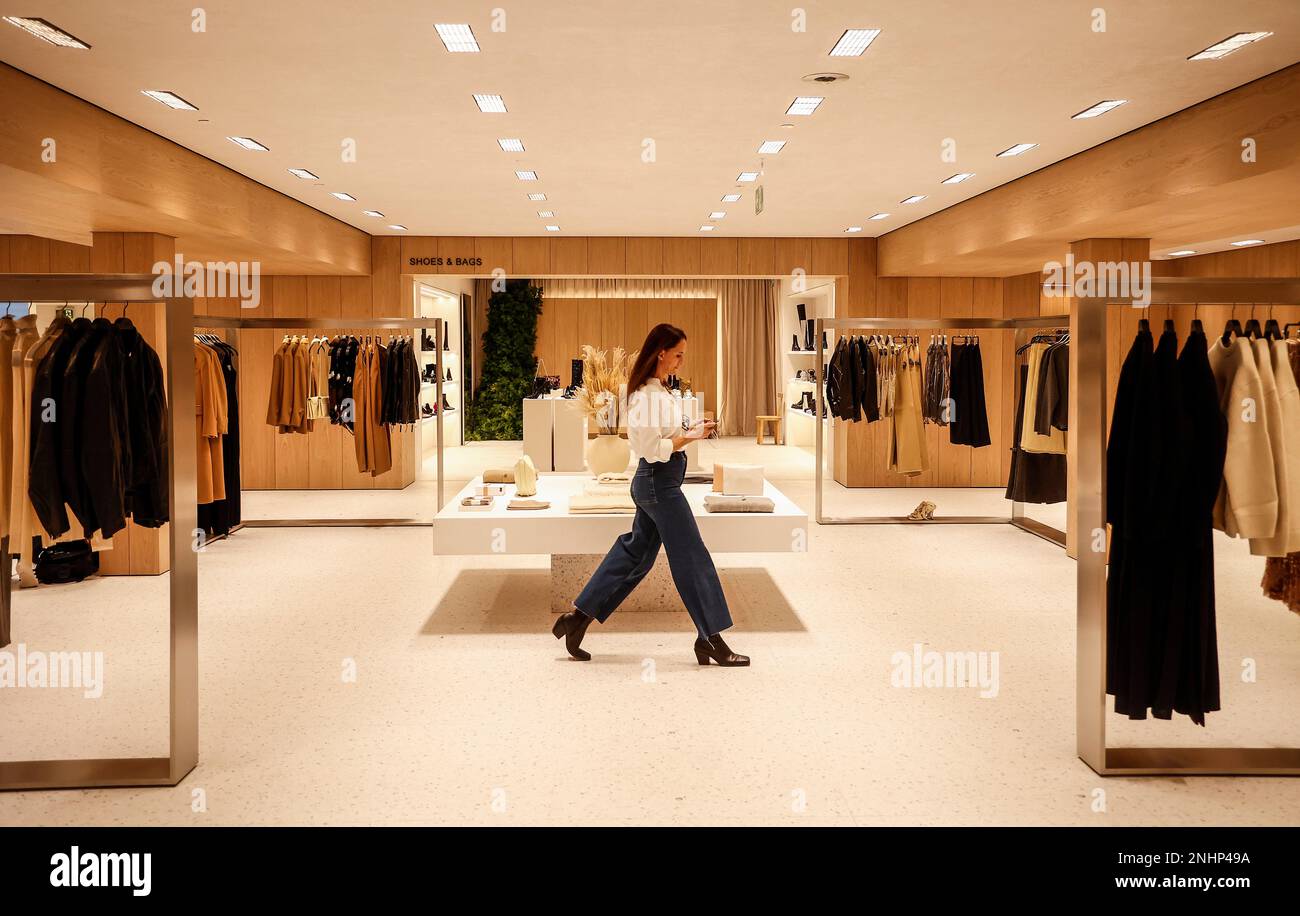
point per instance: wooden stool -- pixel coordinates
(776, 421)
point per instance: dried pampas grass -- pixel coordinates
(604, 385)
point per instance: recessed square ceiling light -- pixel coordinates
(878, 216)
(511, 145)
(718, 214)
(804, 105)
(853, 42)
(958, 178)
(747, 176)
(537, 197)
(854, 229)
(47, 31)
(552, 228)
(770, 147)
(706, 228)
(458, 38)
(397, 227)
(490, 104)
(546, 214)
(730, 198)
(170, 99)
(1244, 242)
(1099, 109)
(1016, 150)
(341, 195)
(525, 174)
(249, 143)
(1182, 253)
(374, 213)
(1228, 45)
(914, 199)
(304, 175)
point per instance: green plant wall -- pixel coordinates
(509, 366)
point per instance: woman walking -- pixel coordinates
(663, 516)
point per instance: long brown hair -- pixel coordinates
(661, 337)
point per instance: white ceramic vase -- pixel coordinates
(608, 454)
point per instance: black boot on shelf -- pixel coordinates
(426, 342)
(427, 411)
(794, 348)
(446, 336)
(445, 405)
(571, 627)
(808, 336)
(714, 648)
(448, 378)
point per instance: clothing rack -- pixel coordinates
(342, 324)
(1021, 326)
(1089, 519)
(183, 588)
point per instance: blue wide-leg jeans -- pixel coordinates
(663, 516)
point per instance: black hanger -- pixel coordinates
(1272, 330)
(1169, 326)
(1144, 324)
(1253, 329)
(1232, 327)
(1197, 327)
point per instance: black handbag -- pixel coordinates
(69, 561)
(544, 384)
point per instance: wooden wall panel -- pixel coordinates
(612, 324)
(568, 256)
(532, 256)
(719, 257)
(681, 257)
(496, 253)
(792, 255)
(830, 257)
(757, 257)
(606, 256)
(645, 256)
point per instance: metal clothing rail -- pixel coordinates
(342, 324)
(182, 477)
(1017, 517)
(1090, 388)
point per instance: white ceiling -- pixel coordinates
(587, 82)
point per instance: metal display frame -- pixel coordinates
(1089, 519)
(1020, 326)
(342, 324)
(182, 477)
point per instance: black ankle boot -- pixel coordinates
(573, 626)
(714, 648)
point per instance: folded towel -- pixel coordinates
(529, 504)
(716, 503)
(499, 475)
(602, 502)
(602, 490)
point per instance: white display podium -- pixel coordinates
(576, 543)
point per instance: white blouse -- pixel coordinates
(654, 416)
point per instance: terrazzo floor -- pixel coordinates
(464, 710)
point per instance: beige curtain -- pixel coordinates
(631, 288)
(749, 343)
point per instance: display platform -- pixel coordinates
(576, 543)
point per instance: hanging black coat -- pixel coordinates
(866, 365)
(839, 383)
(1164, 463)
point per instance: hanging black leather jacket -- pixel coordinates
(839, 382)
